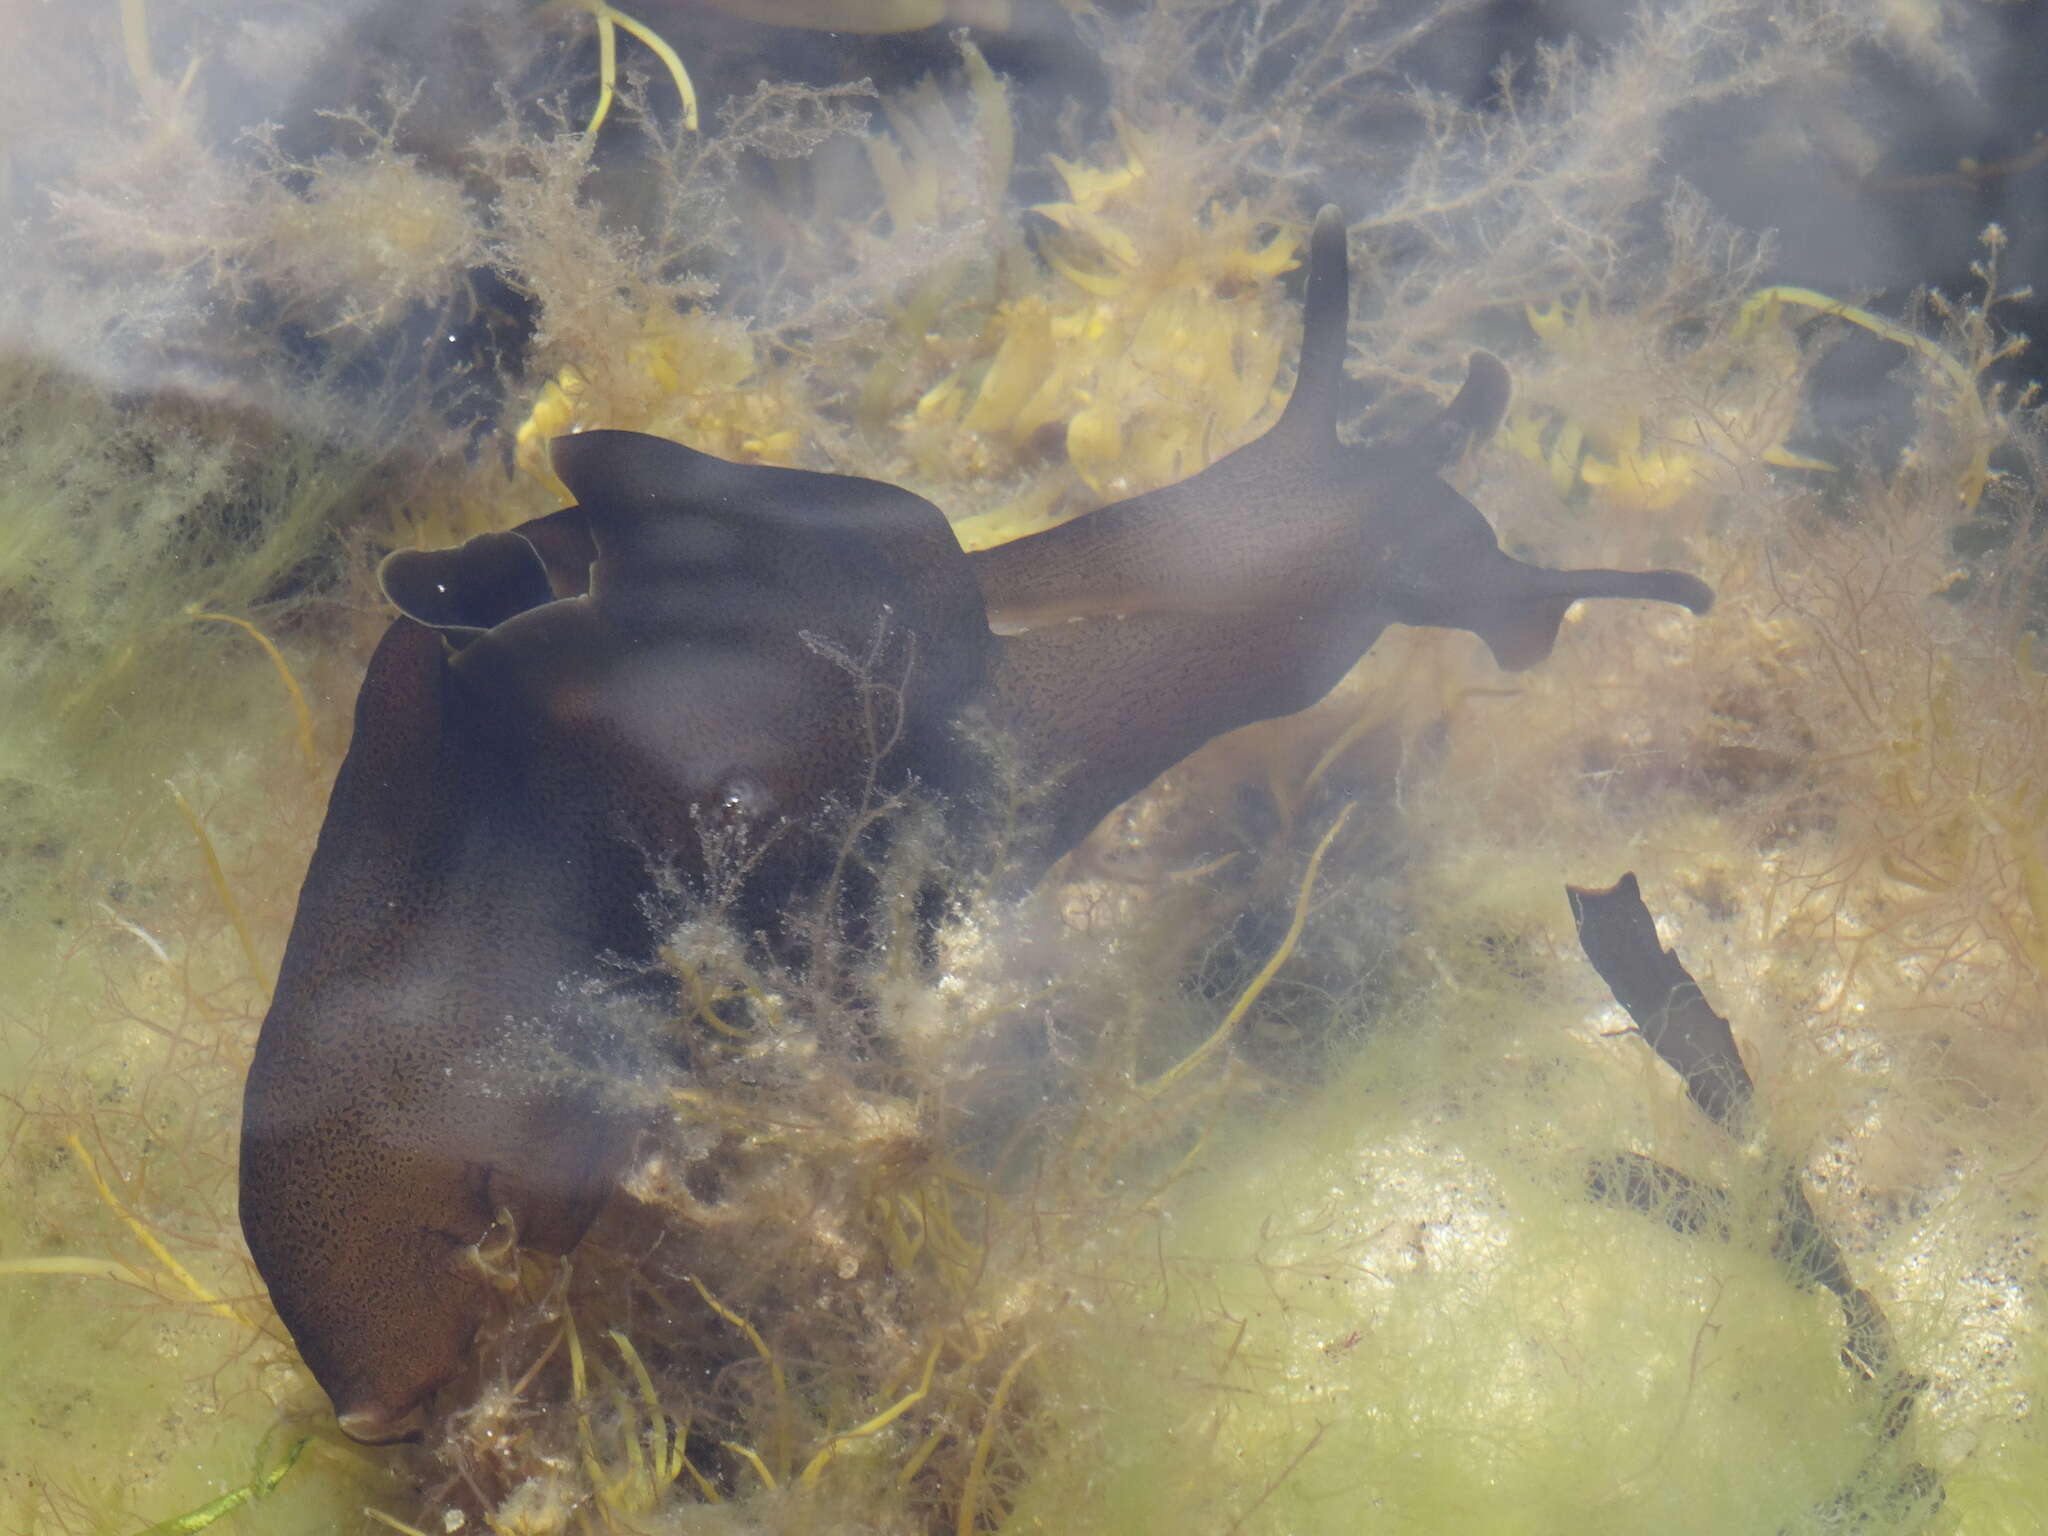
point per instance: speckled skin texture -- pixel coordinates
(463, 1026)
(417, 1073)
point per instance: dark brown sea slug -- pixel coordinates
(564, 711)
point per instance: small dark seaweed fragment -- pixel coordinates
(1619, 936)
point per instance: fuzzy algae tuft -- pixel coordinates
(1430, 1331)
(1236, 1183)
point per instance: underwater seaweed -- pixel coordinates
(1013, 1245)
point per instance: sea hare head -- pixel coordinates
(1141, 631)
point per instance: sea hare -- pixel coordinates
(699, 655)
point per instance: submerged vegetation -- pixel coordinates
(1236, 1180)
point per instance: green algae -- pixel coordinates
(1380, 1301)
(1433, 1329)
